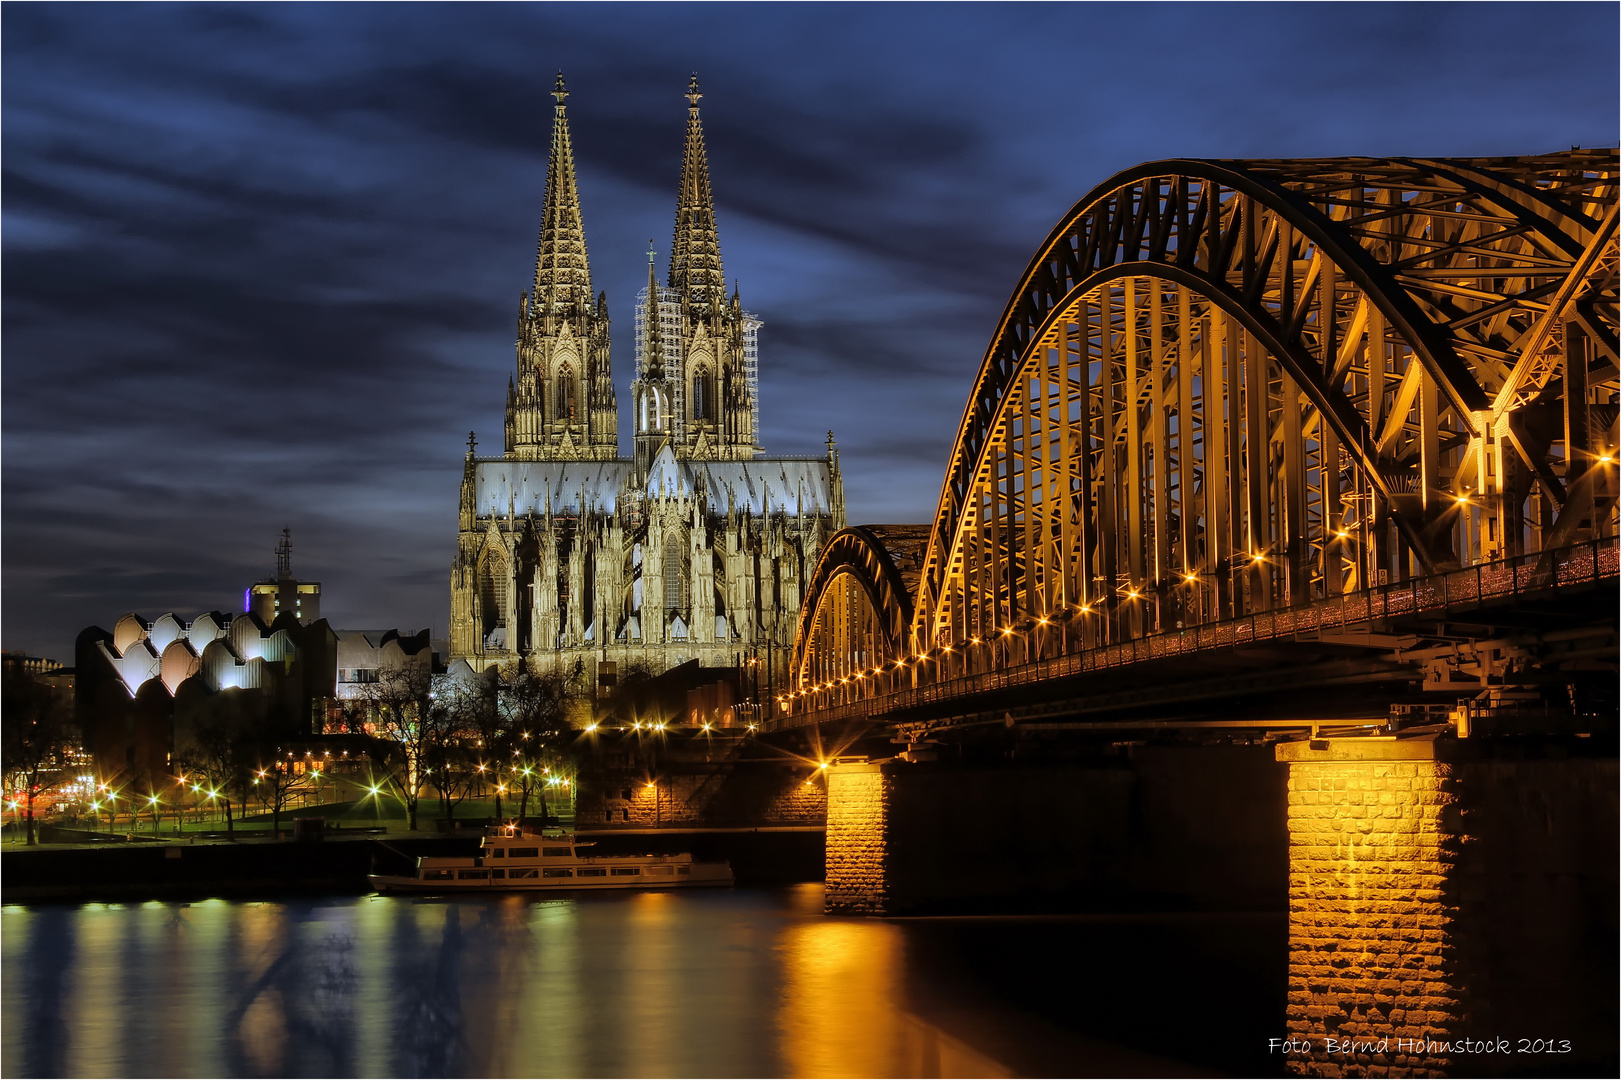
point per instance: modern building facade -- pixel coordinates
(694, 547)
(269, 597)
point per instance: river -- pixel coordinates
(745, 982)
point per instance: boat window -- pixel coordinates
(469, 875)
(627, 871)
(683, 869)
(558, 852)
(557, 871)
(498, 873)
(436, 875)
(500, 853)
(525, 853)
(593, 871)
(661, 871)
(517, 872)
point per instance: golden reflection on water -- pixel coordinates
(843, 1009)
(646, 984)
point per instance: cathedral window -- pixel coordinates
(675, 576)
(565, 394)
(493, 592)
(703, 395)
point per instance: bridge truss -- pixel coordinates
(1228, 388)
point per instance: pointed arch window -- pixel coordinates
(675, 575)
(493, 592)
(565, 393)
(703, 395)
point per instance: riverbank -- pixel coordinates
(194, 868)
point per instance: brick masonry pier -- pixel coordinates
(1443, 890)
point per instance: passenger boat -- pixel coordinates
(511, 860)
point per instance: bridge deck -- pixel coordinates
(1442, 596)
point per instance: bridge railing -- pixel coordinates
(1441, 594)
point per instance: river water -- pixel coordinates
(745, 982)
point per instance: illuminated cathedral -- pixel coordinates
(692, 548)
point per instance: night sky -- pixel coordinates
(262, 264)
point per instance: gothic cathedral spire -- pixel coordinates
(695, 269)
(562, 269)
(561, 405)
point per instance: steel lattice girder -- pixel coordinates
(1414, 317)
(882, 562)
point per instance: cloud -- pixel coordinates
(261, 262)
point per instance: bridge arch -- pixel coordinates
(1226, 386)
(857, 613)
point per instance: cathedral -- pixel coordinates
(695, 546)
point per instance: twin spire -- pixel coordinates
(562, 269)
(695, 269)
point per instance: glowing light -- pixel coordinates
(589, 728)
(1191, 578)
(1463, 498)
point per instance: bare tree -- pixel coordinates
(275, 781)
(36, 729)
(405, 720)
(537, 708)
(217, 762)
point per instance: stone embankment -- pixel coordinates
(262, 867)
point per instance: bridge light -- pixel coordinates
(1191, 578)
(1462, 499)
(1042, 620)
(1341, 534)
(976, 641)
(1258, 557)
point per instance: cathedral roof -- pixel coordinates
(759, 486)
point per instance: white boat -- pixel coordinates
(511, 860)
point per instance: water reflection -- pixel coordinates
(842, 1008)
(723, 983)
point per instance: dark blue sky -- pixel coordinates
(261, 263)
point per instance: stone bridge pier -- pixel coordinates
(1438, 890)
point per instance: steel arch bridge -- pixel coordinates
(1229, 388)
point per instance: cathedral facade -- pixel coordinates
(695, 545)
